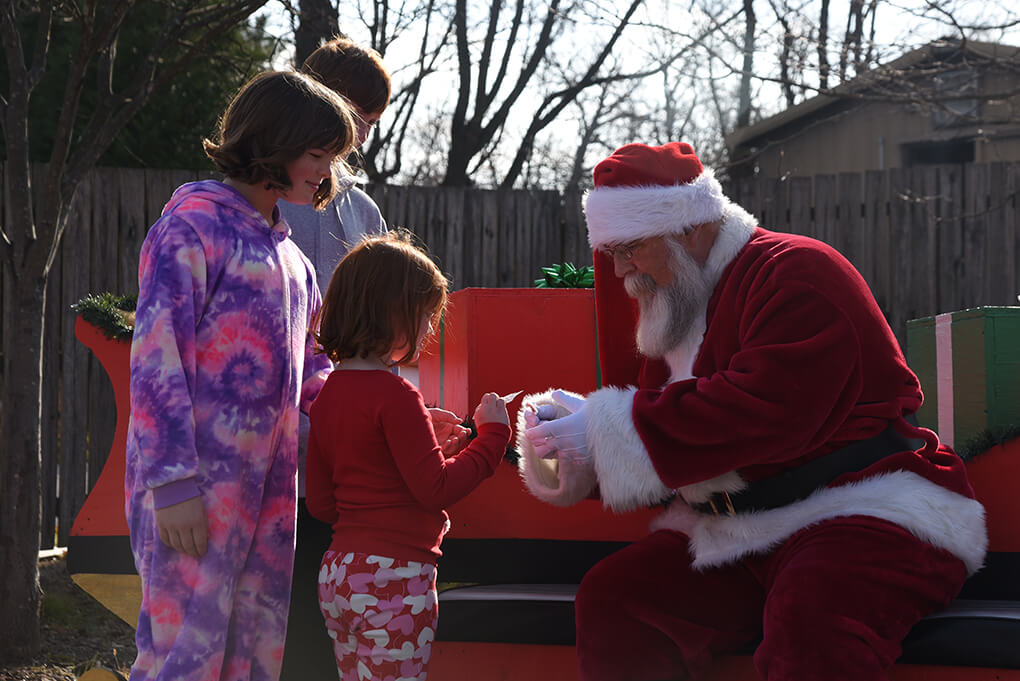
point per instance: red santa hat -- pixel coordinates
(642, 191)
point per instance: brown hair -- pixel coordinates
(378, 295)
(275, 118)
(354, 71)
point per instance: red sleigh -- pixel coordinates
(517, 561)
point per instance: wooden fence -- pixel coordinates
(927, 240)
(479, 238)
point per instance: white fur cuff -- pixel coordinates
(560, 483)
(627, 479)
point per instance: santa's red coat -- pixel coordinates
(796, 361)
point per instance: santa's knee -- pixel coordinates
(822, 646)
(600, 596)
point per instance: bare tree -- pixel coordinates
(852, 38)
(509, 74)
(823, 44)
(315, 23)
(38, 212)
(744, 105)
(488, 88)
(383, 155)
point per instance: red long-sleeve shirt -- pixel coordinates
(375, 471)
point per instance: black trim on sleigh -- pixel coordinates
(521, 561)
(102, 555)
(527, 585)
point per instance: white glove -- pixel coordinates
(545, 412)
(566, 437)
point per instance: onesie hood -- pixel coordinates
(196, 196)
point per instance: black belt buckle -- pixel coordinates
(799, 483)
(724, 500)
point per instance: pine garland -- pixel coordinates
(112, 314)
(986, 439)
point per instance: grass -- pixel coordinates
(77, 632)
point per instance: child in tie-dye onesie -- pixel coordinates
(376, 472)
(221, 362)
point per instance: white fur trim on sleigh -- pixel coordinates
(932, 513)
(622, 214)
(560, 483)
(626, 477)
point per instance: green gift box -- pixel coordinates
(968, 363)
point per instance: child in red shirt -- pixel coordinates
(375, 470)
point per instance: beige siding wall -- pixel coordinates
(870, 136)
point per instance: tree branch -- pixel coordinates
(504, 63)
(42, 44)
(483, 59)
(541, 47)
(113, 112)
(18, 171)
(540, 121)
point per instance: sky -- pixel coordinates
(902, 25)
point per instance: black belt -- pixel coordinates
(798, 483)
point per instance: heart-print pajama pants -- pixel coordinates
(381, 614)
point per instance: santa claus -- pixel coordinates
(754, 388)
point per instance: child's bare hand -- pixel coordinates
(455, 440)
(182, 526)
(449, 433)
(491, 409)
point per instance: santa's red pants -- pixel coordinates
(832, 602)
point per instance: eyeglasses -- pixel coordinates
(624, 251)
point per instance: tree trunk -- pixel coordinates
(317, 22)
(744, 97)
(20, 485)
(823, 45)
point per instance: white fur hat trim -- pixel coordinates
(622, 214)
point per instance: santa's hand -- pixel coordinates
(543, 412)
(568, 401)
(565, 437)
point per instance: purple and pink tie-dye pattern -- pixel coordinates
(381, 614)
(221, 363)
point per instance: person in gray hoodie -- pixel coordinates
(358, 74)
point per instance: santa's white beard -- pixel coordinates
(668, 313)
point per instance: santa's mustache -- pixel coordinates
(667, 313)
(640, 285)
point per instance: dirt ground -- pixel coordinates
(77, 633)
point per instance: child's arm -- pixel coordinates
(434, 481)
(172, 289)
(316, 365)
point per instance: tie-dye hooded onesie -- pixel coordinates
(221, 363)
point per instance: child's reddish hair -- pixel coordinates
(356, 72)
(377, 297)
